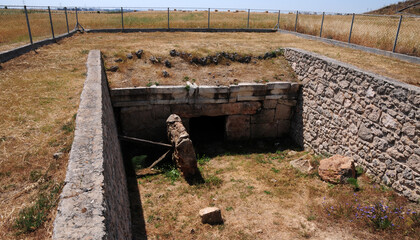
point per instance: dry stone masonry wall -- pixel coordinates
(375, 120)
(94, 203)
(251, 110)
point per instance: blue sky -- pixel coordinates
(343, 6)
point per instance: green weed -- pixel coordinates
(139, 162)
(229, 208)
(172, 174)
(31, 218)
(202, 160)
(213, 181)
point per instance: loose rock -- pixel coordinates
(165, 74)
(211, 215)
(154, 60)
(139, 53)
(184, 154)
(118, 60)
(168, 64)
(336, 169)
(173, 53)
(303, 165)
(130, 56)
(57, 155)
(113, 69)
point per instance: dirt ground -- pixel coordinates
(261, 197)
(40, 91)
(141, 72)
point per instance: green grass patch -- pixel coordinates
(31, 218)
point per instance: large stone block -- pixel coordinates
(161, 111)
(196, 110)
(283, 128)
(132, 119)
(264, 116)
(283, 112)
(263, 130)
(267, 104)
(238, 127)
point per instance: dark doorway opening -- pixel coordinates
(207, 129)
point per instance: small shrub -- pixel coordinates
(353, 182)
(186, 78)
(275, 170)
(213, 181)
(359, 171)
(267, 192)
(172, 174)
(229, 208)
(203, 159)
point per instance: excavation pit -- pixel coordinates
(207, 129)
(315, 114)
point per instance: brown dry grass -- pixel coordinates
(372, 31)
(159, 44)
(261, 197)
(14, 31)
(40, 92)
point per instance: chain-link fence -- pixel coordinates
(392, 33)
(377, 31)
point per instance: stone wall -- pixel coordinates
(344, 110)
(251, 110)
(94, 203)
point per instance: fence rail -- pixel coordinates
(26, 24)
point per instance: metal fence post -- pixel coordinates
(247, 23)
(278, 21)
(29, 26)
(77, 19)
(67, 20)
(398, 32)
(122, 19)
(52, 28)
(168, 18)
(208, 22)
(351, 27)
(322, 24)
(296, 21)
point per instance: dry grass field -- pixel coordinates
(372, 31)
(40, 91)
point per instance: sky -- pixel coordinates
(342, 6)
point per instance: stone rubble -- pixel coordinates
(211, 215)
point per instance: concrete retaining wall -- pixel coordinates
(375, 120)
(94, 203)
(10, 54)
(251, 110)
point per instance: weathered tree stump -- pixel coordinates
(184, 154)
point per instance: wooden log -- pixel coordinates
(184, 154)
(132, 139)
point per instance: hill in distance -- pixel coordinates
(393, 8)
